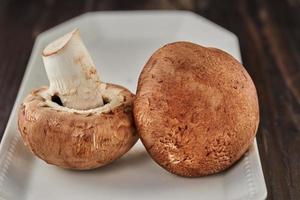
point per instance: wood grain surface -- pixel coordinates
(269, 35)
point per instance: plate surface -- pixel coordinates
(120, 44)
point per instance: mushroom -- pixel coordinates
(77, 122)
(196, 109)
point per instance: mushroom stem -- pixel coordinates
(72, 73)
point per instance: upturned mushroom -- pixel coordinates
(77, 122)
(196, 109)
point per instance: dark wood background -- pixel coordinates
(269, 34)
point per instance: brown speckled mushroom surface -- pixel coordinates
(196, 109)
(77, 139)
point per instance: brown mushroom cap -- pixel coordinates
(77, 140)
(196, 109)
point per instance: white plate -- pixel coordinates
(120, 43)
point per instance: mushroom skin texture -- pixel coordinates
(77, 122)
(77, 139)
(196, 109)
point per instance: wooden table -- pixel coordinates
(269, 34)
